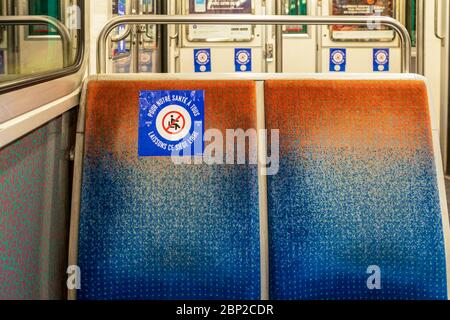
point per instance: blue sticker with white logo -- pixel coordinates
(381, 59)
(338, 60)
(243, 60)
(171, 123)
(202, 60)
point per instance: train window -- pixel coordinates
(121, 49)
(43, 50)
(44, 8)
(295, 8)
(124, 49)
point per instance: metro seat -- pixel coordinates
(357, 192)
(151, 229)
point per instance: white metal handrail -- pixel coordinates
(405, 39)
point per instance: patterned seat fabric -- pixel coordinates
(150, 229)
(356, 192)
(356, 197)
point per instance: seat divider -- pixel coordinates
(262, 185)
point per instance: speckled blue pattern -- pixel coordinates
(164, 232)
(326, 232)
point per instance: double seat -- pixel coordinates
(356, 209)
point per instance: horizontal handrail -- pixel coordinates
(38, 20)
(400, 29)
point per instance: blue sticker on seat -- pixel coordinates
(338, 60)
(171, 123)
(381, 59)
(243, 60)
(202, 60)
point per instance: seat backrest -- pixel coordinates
(151, 229)
(355, 209)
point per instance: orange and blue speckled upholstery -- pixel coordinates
(150, 229)
(357, 187)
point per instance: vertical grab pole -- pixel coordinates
(420, 36)
(136, 37)
(279, 39)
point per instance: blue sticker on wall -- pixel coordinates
(243, 60)
(381, 59)
(338, 60)
(171, 123)
(202, 60)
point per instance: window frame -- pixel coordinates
(34, 79)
